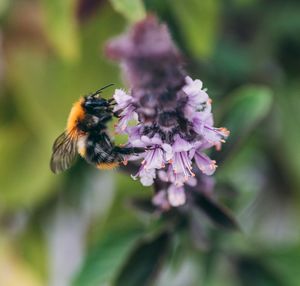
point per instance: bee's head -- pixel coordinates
(94, 102)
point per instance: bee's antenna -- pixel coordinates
(101, 89)
(105, 87)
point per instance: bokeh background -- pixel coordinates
(79, 228)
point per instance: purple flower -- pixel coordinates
(172, 112)
(175, 154)
(124, 109)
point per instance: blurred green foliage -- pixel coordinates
(133, 10)
(62, 27)
(106, 260)
(248, 55)
(198, 22)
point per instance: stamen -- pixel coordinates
(225, 131)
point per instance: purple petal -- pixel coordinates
(182, 167)
(205, 164)
(176, 196)
(146, 176)
(155, 140)
(160, 200)
(192, 181)
(124, 121)
(122, 99)
(154, 159)
(192, 86)
(168, 151)
(163, 176)
(181, 144)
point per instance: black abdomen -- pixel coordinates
(99, 149)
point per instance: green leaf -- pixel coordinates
(217, 213)
(144, 262)
(286, 260)
(247, 107)
(143, 205)
(288, 102)
(105, 260)
(253, 271)
(61, 28)
(198, 22)
(132, 10)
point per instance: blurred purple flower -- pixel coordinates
(171, 111)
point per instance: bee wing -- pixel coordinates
(64, 153)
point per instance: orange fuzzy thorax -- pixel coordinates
(76, 114)
(107, 166)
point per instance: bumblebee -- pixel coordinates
(86, 135)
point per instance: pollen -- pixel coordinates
(225, 131)
(107, 166)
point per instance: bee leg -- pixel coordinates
(111, 100)
(129, 150)
(105, 117)
(117, 113)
